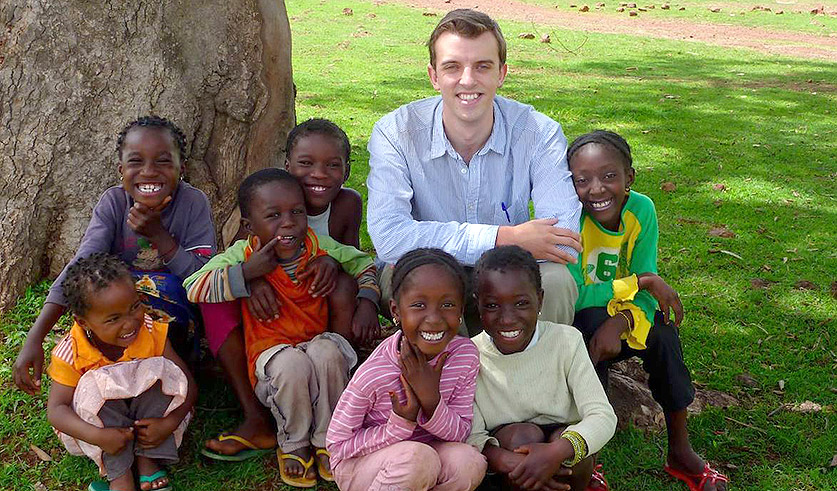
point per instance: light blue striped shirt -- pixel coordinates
(423, 194)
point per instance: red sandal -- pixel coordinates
(597, 481)
(696, 482)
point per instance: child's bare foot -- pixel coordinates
(256, 430)
(688, 461)
(147, 467)
(125, 482)
(294, 469)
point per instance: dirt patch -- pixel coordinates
(795, 44)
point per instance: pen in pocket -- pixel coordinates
(505, 209)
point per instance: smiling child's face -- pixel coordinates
(318, 161)
(115, 313)
(601, 178)
(150, 165)
(508, 304)
(277, 209)
(429, 308)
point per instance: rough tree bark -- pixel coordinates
(73, 72)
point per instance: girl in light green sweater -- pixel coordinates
(540, 412)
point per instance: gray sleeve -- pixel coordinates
(193, 229)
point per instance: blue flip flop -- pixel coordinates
(153, 477)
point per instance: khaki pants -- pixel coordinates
(560, 294)
(301, 385)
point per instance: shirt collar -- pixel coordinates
(439, 143)
(92, 356)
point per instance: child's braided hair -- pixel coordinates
(511, 257)
(317, 126)
(153, 122)
(603, 137)
(422, 257)
(90, 274)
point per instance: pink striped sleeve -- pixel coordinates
(346, 436)
(453, 417)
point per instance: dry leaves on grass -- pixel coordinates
(746, 380)
(668, 186)
(834, 289)
(721, 231)
(526, 35)
(804, 285)
(833, 462)
(348, 11)
(719, 187)
(760, 283)
(45, 457)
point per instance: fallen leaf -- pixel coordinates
(630, 69)
(600, 4)
(620, 9)
(642, 9)
(719, 187)
(759, 283)
(633, 13)
(668, 186)
(526, 35)
(348, 11)
(806, 407)
(834, 289)
(584, 8)
(682, 8)
(45, 457)
(714, 10)
(39, 486)
(781, 385)
(804, 285)
(429, 14)
(371, 15)
(779, 12)
(545, 39)
(631, 5)
(747, 380)
(665, 6)
(722, 231)
(718, 202)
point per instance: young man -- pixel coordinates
(457, 171)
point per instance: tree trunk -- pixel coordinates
(74, 72)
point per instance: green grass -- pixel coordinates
(696, 116)
(796, 16)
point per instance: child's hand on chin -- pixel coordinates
(422, 377)
(114, 440)
(262, 261)
(540, 466)
(145, 219)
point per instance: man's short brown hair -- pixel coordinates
(469, 24)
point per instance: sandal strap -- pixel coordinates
(228, 436)
(305, 464)
(153, 477)
(710, 473)
(322, 451)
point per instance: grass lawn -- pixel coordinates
(749, 143)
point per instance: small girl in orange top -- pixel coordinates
(120, 394)
(298, 369)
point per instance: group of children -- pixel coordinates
(285, 308)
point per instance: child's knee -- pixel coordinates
(419, 461)
(516, 434)
(325, 353)
(289, 367)
(464, 463)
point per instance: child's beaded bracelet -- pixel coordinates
(579, 448)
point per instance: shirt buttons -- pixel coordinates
(463, 170)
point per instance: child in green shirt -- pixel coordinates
(623, 305)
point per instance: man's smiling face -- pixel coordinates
(467, 73)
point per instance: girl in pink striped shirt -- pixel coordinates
(402, 419)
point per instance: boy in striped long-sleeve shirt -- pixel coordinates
(297, 369)
(402, 419)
